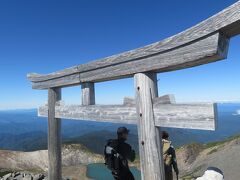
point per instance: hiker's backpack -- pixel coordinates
(111, 156)
(167, 157)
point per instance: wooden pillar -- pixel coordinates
(150, 146)
(54, 136)
(88, 94)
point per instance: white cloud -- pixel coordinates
(237, 113)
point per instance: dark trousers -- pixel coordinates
(168, 173)
(126, 175)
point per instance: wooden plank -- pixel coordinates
(166, 99)
(88, 94)
(70, 80)
(201, 52)
(150, 146)
(191, 116)
(226, 21)
(204, 51)
(54, 137)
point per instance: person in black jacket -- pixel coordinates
(127, 153)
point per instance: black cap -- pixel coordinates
(165, 135)
(122, 130)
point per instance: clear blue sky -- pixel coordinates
(44, 36)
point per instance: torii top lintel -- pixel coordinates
(204, 43)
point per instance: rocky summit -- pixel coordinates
(26, 176)
(23, 176)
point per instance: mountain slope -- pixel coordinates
(194, 159)
(72, 155)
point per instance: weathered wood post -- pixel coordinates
(88, 94)
(54, 136)
(150, 146)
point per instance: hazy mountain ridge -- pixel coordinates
(95, 140)
(23, 130)
(29, 141)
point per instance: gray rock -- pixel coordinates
(7, 176)
(66, 178)
(23, 176)
(18, 177)
(38, 177)
(28, 177)
(15, 174)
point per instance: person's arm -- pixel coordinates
(174, 162)
(132, 158)
(130, 153)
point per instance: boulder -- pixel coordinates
(7, 176)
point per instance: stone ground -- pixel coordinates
(75, 172)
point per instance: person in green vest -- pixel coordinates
(169, 157)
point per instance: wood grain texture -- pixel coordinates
(191, 116)
(226, 21)
(150, 146)
(54, 137)
(88, 94)
(166, 99)
(204, 51)
(65, 81)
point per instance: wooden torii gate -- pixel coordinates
(204, 43)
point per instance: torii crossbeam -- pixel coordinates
(204, 43)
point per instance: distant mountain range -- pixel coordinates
(23, 130)
(29, 141)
